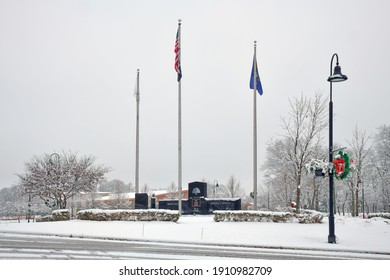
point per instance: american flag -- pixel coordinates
(177, 57)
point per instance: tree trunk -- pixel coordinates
(353, 201)
(298, 206)
(357, 202)
(315, 201)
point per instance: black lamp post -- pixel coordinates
(336, 77)
(216, 185)
(29, 208)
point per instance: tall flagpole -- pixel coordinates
(179, 127)
(137, 138)
(254, 130)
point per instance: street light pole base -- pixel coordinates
(332, 239)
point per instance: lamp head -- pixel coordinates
(337, 75)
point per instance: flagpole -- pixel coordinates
(254, 131)
(179, 131)
(137, 139)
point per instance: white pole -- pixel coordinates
(254, 130)
(179, 132)
(137, 139)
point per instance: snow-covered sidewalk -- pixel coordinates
(353, 234)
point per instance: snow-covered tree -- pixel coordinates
(381, 162)
(56, 178)
(278, 171)
(172, 191)
(118, 195)
(13, 204)
(232, 188)
(360, 149)
(145, 188)
(114, 186)
(286, 158)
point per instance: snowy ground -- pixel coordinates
(353, 234)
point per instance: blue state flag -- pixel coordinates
(258, 82)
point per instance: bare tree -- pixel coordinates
(114, 186)
(233, 188)
(172, 192)
(303, 133)
(381, 163)
(119, 190)
(145, 188)
(279, 172)
(360, 151)
(12, 204)
(382, 141)
(56, 179)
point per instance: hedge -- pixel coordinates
(129, 215)
(306, 216)
(379, 215)
(56, 215)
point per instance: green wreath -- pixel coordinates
(347, 166)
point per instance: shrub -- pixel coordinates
(129, 215)
(379, 215)
(252, 216)
(310, 217)
(56, 215)
(306, 216)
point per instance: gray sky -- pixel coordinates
(68, 71)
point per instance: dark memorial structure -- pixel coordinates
(153, 202)
(197, 189)
(141, 201)
(198, 203)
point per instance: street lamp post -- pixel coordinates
(335, 77)
(216, 185)
(29, 208)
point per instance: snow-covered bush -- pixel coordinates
(129, 215)
(48, 218)
(252, 216)
(61, 215)
(56, 215)
(310, 217)
(379, 215)
(306, 216)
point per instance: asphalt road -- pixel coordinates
(15, 246)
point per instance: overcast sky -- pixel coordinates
(68, 72)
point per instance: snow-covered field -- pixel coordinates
(353, 234)
(356, 234)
